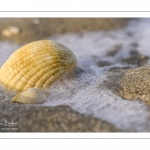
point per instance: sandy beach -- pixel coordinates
(58, 116)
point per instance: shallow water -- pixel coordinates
(84, 92)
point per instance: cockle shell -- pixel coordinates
(32, 69)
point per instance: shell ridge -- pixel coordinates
(47, 66)
(34, 67)
(52, 79)
(23, 67)
(49, 74)
(32, 78)
(42, 70)
(30, 81)
(26, 74)
(31, 68)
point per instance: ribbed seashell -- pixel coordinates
(31, 70)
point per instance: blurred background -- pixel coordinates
(24, 30)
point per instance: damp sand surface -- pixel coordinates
(98, 53)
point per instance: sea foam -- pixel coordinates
(84, 90)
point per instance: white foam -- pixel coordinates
(6, 49)
(85, 93)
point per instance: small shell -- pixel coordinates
(36, 21)
(31, 95)
(36, 65)
(12, 30)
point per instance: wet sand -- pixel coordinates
(60, 118)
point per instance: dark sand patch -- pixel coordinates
(50, 119)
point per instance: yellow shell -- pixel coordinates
(34, 67)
